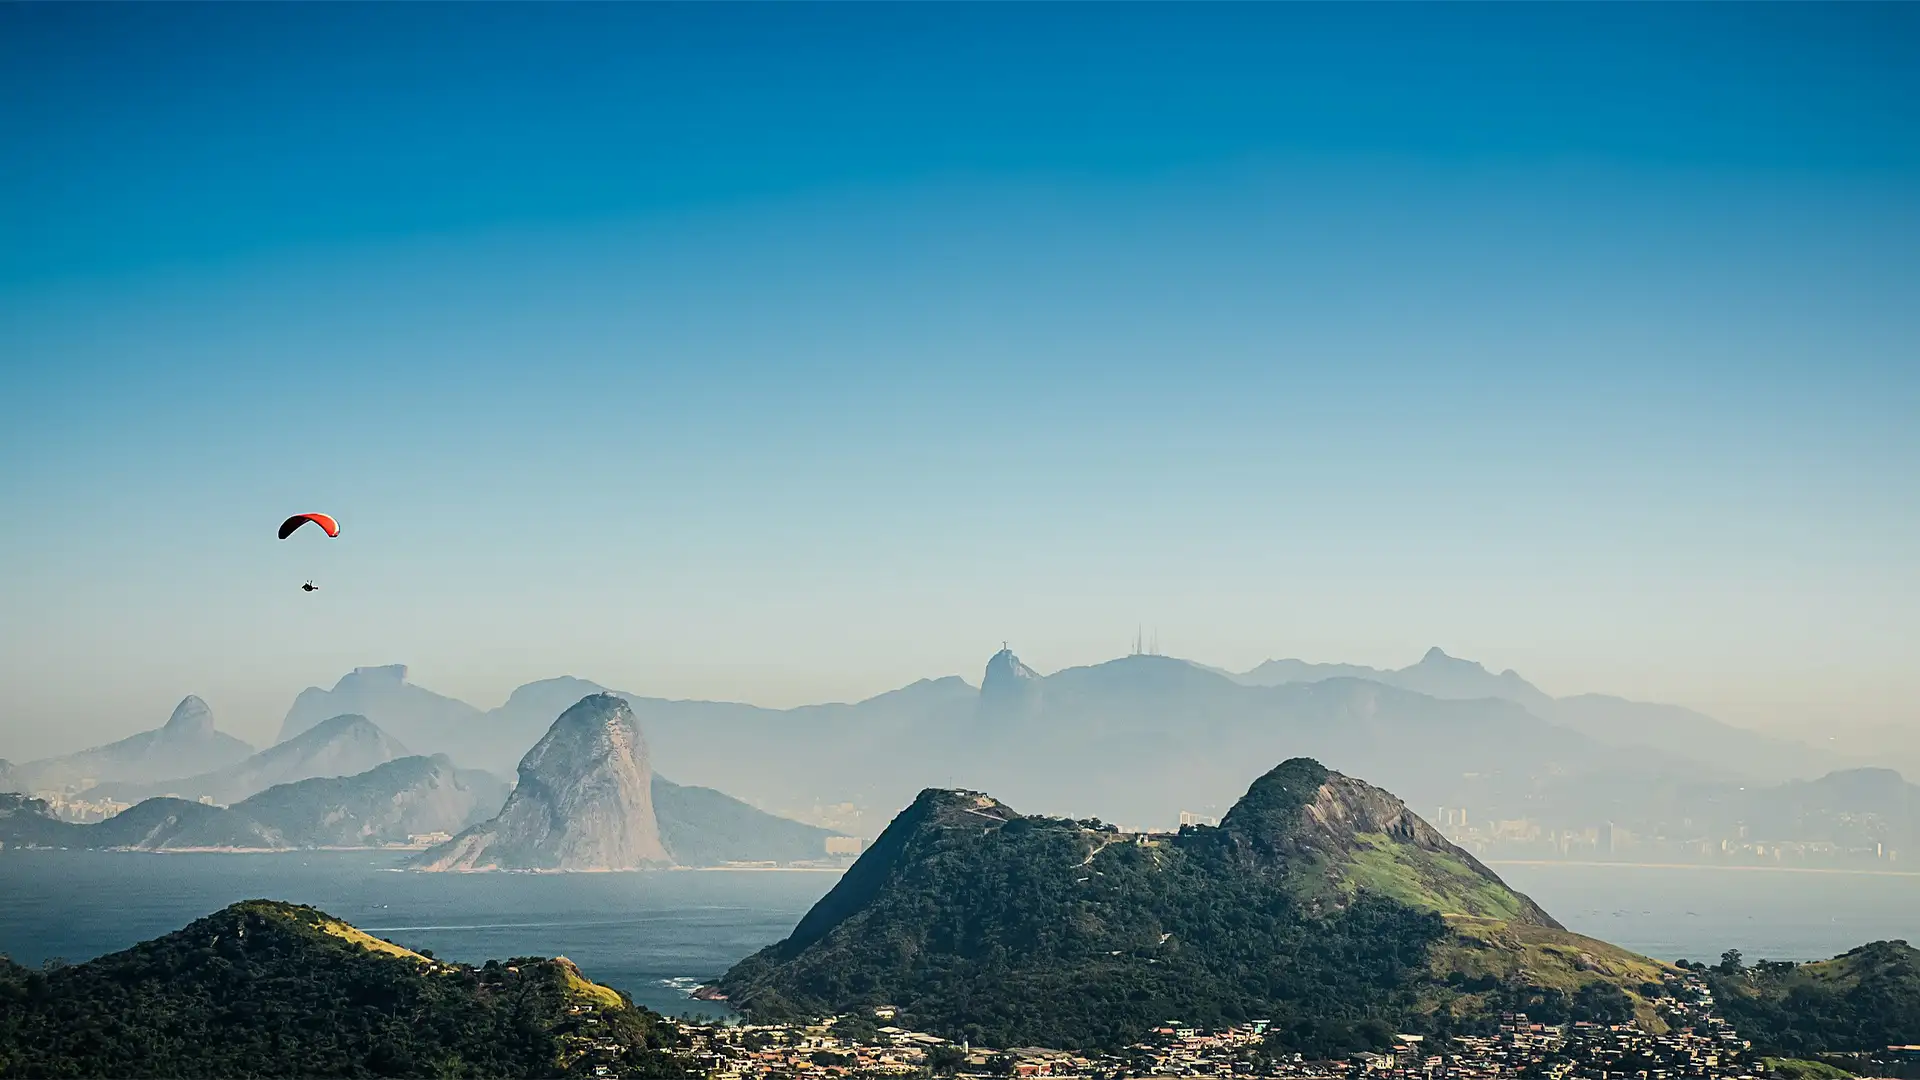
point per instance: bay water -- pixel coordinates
(656, 935)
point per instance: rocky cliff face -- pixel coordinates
(1335, 836)
(584, 802)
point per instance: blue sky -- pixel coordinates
(792, 353)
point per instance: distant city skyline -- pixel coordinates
(790, 354)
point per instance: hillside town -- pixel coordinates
(1696, 1044)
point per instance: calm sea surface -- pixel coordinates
(1699, 912)
(655, 935)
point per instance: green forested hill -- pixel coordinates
(271, 989)
(1319, 903)
(1862, 1000)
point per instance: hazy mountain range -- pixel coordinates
(186, 743)
(382, 805)
(1611, 720)
(1138, 739)
(339, 746)
(587, 799)
(496, 738)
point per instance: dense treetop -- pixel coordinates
(1862, 1000)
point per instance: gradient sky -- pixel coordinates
(793, 353)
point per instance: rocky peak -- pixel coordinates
(1304, 819)
(1301, 807)
(598, 730)
(345, 728)
(1437, 658)
(584, 802)
(1007, 679)
(946, 807)
(567, 688)
(388, 674)
(1344, 806)
(191, 718)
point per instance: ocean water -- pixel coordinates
(657, 935)
(653, 935)
(1674, 912)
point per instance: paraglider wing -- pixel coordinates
(327, 524)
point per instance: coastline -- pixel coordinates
(771, 869)
(215, 850)
(1703, 866)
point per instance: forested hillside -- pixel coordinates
(271, 989)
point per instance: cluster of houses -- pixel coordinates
(1697, 1046)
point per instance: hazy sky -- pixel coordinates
(788, 353)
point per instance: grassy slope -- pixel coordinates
(1482, 949)
(1425, 879)
(586, 991)
(580, 989)
(1802, 1069)
(357, 936)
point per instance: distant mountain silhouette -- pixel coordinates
(385, 804)
(1606, 719)
(1139, 739)
(587, 799)
(501, 737)
(1851, 808)
(704, 827)
(187, 742)
(388, 803)
(341, 746)
(415, 715)
(150, 825)
(1009, 686)
(1436, 675)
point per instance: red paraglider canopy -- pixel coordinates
(331, 527)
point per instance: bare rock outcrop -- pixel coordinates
(584, 802)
